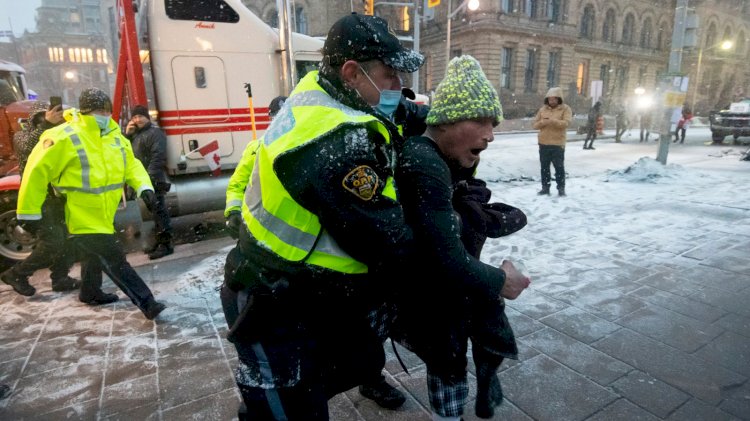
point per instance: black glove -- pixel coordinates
(31, 226)
(234, 222)
(149, 198)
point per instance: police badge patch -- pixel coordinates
(362, 181)
(48, 143)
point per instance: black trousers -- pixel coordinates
(299, 341)
(555, 155)
(103, 253)
(162, 222)
(51, 251)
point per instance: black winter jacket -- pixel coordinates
(150, 147)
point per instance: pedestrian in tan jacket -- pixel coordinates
(552, 121)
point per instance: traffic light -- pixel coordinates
(369, 7)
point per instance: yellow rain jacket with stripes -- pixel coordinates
(273, 217)
(87, 166)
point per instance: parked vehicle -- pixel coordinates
(734, 121)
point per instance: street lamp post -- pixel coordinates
(724, 45)
(472, 5)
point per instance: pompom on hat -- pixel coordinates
(464, 94)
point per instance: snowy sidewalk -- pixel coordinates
(637, 308)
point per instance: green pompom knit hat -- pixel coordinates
(464, 94)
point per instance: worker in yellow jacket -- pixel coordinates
(87, 161)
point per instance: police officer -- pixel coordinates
(87, 160)
(51, 250)
(319, 216)
(150, 147)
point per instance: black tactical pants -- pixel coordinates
(51, 251)
(103, 253)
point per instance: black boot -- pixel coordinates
(98, 298)
(561, 191)
(153, 308)
(489, 392)
(543, 191)
(65, 284)
(20, 284)
(164, 246)
(383, 394)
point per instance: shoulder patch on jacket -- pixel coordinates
(362, 181)
(48, 143)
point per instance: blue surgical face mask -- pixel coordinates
(102, 121)
(389, 98)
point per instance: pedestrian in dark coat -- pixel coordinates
(51, 250)
(459, 297)
(150, 147)
(594, 113)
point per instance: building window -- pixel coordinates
(530, 8)
(205, 10)
(587, 22)
(646, 34)
(506, 71)
(642, 75)
(529, 71)
(608, 29)
(581, 77)
(622, 80)
(300, 20)
(553, 10)
(740, 48)
(710, 36)
(508, 6)
(628, 29)
(604, 77)
(660, 37)
(553, 69)
(405, 19)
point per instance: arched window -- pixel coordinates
(727, 35)
(740, 47)
(660, 36)
(300, 20)
(531, 8)
(628, 29)
(646, 34)
(710, 36)
(608, 29)
(554, 10)
(272, 18)
(587, 22)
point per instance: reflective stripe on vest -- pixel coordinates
(86, 167)
(272, 216)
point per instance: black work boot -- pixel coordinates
(164, 246)
(489, 392)
(383, 394)
(543, 191)
(561, 191)
(20, 284)
(153, 309)
(98, 298)
(65, 284)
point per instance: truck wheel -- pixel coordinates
(15, 243)
(717, 138)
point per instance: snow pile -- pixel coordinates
(648, 170)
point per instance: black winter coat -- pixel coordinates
(150, 147)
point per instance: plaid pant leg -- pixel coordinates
(447, 397)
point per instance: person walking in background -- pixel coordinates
(88, 160)
(594, 114)
(621, 120)
(682, 124)
(459, 297)
(150, 147)
(51, 249)
(552, 121)
(645, 125)
(299, 286)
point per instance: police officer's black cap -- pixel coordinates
(94, 99)
(362, 38)
(275, 105)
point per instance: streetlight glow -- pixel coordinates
(70, 75)
(473, 5)
(640, 91)
(726, 45)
